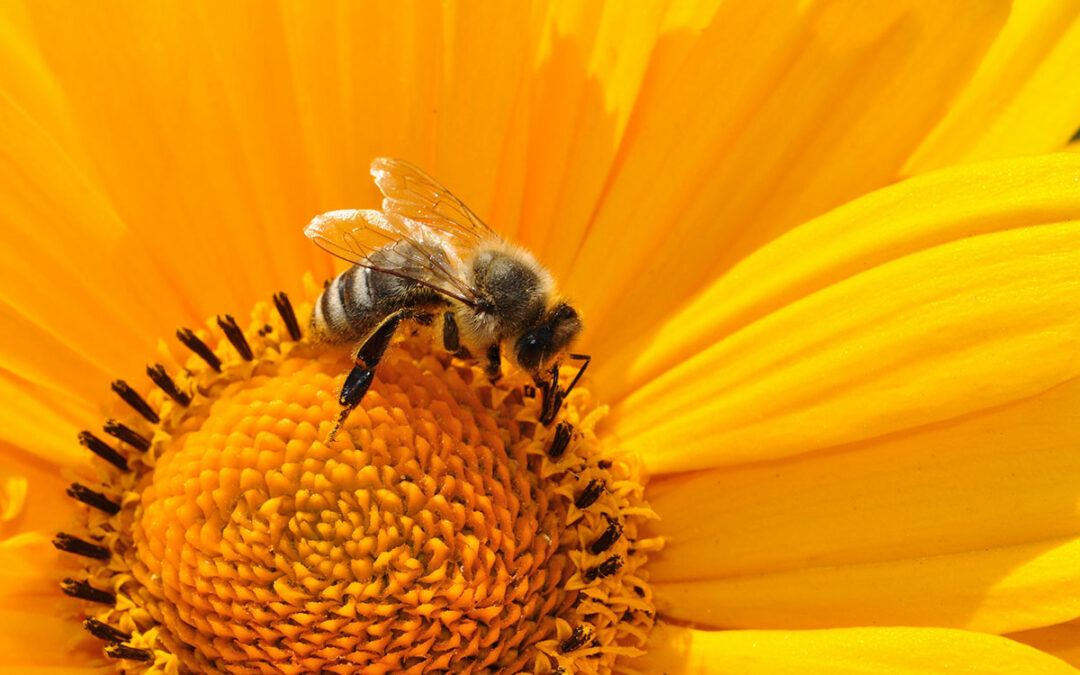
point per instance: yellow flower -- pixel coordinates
(829, 281)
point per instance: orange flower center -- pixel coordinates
(444, 530)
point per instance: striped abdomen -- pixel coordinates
(358, 300)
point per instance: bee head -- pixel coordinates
(535, 349)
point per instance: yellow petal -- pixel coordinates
(32, 493)
(41, 638)
(967, 524)
(95, 295)
(936, 298)
(32, 570)
(1025, 97)
(674, 650)
(591, 62)
(13, 488)
(36, 627)
(1062, 640)
(43, 424)
(772, 114)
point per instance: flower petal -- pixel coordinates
(774, 113)
(1025, 97)
(966, 524)
(681, 651)
(1062, 640)
(31, 493)
(932, 299)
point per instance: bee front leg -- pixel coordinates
(551, 397)
(493, 367)
(367, 357)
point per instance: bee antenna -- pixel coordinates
(573, 383)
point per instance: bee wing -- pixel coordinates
(415, 196)
(407, 249)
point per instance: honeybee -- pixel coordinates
(426, 255)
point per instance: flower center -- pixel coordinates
(445, 529)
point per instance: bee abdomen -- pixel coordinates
(344, 311)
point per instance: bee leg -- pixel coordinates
(553, 398)
(358, 380)
(450, 338)
(493, 367)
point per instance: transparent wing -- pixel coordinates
(415, 196)
(395, 246)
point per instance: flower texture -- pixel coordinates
(827, 257)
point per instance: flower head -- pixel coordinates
(833, 310)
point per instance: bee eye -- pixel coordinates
(532, 347)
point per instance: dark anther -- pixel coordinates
(84, 591)
(122, 432)
(192, 342)
(94, 499)
(119, 651)
(560, 440)
(608, 537)
(285, 309)
(640, 591)
(577, 639)
(102, 450)
(104, 631)
(66, 542)
(236, 336)
(528, 391)
(161, 378)
(604, 569)
(265, 330)
(603, 464)
(132, 398)
(590, 494)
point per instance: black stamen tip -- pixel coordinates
(236, 336)
(640, 591)
(122, 432)
(604, 569)
(66, 542)
(94, 499)
(104, 631)
(577, 639)
(102, 450)
(590, 494)
(121, 651)
(192, 342)
(608, 537)
(137, 403)
(285, 309)
(161, 378)
(560, 440)
(84, 591)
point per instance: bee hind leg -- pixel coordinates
(367, 357)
